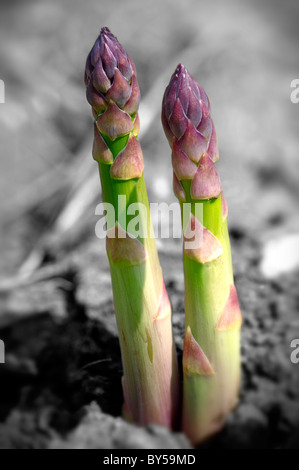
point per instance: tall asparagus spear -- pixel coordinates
(211, 359)
(143, 311)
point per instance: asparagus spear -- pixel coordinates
(211, 359)
(142, 307)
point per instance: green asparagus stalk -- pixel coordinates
(142, 307)
(211, 359)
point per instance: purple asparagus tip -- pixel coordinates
(186, 116)
(110, 75)
(190, 131)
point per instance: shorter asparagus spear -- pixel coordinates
(142, 307)
(211, 360)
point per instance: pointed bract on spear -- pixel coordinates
(211, 358)
(142, 307)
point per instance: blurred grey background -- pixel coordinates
(244, 54)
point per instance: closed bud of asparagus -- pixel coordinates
(110, 76)
(186, 117)
(211, 359)
(142, 307)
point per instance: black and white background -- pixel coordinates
(60, 384)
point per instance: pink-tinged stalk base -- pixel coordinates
(150, 382)
(213, 318)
